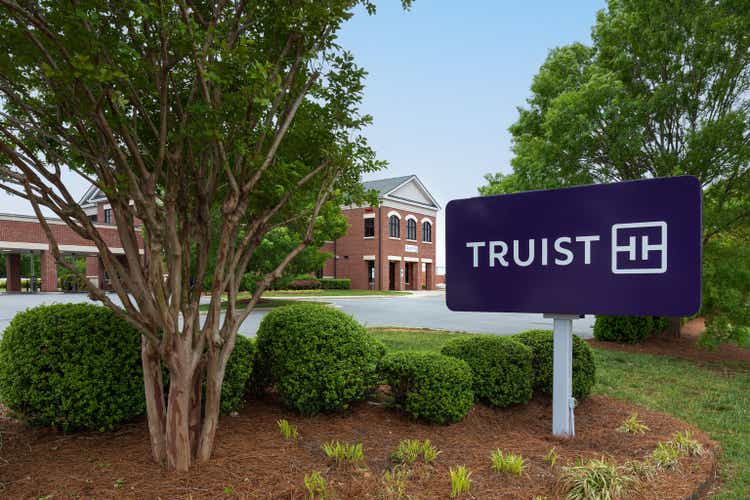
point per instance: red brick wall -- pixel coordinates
(352, 247)
(31, 232)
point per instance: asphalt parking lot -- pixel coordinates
(421, 310)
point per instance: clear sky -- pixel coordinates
(444, 82)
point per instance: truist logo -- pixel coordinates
(637, 248)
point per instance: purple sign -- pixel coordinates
(631, 248)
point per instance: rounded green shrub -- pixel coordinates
(318, 358)
(628, 329)
(431, 386)
(501, 367)
(237, 375)
(541, 343)
(72, 366)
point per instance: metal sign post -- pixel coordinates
(563, 404)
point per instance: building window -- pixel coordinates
(394, 227)
(370, 227)
(371, 274)
(108, 216)
(411, 229)
(426, 232)
(92, 218)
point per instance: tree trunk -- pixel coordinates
(215, 368)
(196, 410)
(155, 410)
(675, 325)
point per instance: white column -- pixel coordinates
(563, 404)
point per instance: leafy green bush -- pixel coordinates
(319, 358)
(431, 386)
(541, 343)
(304, 282)
(501, 367)
(628, 329)
(237, 375)
(72, 366)
(336, 283)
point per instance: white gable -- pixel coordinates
(411, 191)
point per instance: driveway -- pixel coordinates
(421, 310)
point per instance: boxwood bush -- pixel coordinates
(237, 375)
(628, 329)
(72, 366)
(541, 343)
(431, 386)
(318, 358)
(501, 367)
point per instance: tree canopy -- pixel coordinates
(195, 118)
(663, 90)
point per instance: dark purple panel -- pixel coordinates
(652, 266)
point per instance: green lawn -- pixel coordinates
(262, 304)
(713, 397)
(331, 293)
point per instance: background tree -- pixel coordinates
(176, 110)
(664, 90)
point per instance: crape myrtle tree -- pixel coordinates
(177, 110)
(663, 90)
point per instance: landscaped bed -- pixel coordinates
(253, 459)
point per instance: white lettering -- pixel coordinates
(544, 251)
(562, 250)
(476, 245)
(516, 254)
(500, 256)
(587, 246)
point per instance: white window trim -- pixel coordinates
(413, 241)
(426, 219)
(427, 261)
(368, 216)
(368, 257)
(393, 238)
(368, 237)
(394, 257)
(411, 259)
(393, 212)
(411, 217)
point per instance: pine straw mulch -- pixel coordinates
(685, 347)
(252, 460)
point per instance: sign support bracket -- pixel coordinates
(563, 404)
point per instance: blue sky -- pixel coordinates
(445, 80)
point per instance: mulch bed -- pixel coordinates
(252, 460)
(685, 347)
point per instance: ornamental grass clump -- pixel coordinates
(508, 463)
(344, 452)
(632, 425)
(289, 431)
(460, 480)
(316, 486)
(409, 451)
(594, 479)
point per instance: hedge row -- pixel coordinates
(628, 329)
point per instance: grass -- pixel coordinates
(460, 480)
(331, 293)
(289, 431)
(632, 425)
(711, 396)
(315, 485)
(594, 479)
(262, 303)
(409, 450)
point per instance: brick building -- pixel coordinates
(23, 234)
(391, 246)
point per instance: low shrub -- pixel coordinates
(318, 358)
(628, 329)
(502, 368)
(431, 386)
(541, 343)
(304, 282)
(335, 283)
(237, 375)
(72, 367)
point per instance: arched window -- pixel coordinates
(411, 229)
(394, 227)
(426, 232)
